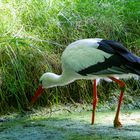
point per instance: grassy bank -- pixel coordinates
(33, 35)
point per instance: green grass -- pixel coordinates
(33, 35)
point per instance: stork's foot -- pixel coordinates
(117, 124)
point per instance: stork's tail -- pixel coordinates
(134, 67)
(137, 68)
(133, 62)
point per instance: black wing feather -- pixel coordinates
(114, 47)
(121, 59)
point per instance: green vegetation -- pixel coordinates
(33, 34)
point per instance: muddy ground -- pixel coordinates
(64, 124)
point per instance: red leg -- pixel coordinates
(95, 100)
(117, 123)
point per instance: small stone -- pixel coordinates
(3, 120)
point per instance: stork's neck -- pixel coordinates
(49, 80)
(60, 80)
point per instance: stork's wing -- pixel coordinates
(113, 47)
(91, 60)
(132, 63)
(112, 65)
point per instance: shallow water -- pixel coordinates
(70, 126)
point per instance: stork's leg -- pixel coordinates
(95, 100)
(117, 123)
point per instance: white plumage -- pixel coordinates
(93, 59)
(82, 54)
(77, 56)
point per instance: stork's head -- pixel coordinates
(47, 80)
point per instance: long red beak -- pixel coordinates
(37, 94)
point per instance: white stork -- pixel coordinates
(92, 59)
